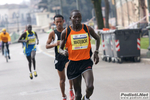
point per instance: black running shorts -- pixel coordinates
(60, 62)
(76, 68)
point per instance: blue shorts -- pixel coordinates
(27, 50)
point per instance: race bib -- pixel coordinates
(79, 41)
(32, 40)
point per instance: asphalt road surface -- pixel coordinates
(110, 78)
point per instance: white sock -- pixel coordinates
(64, 97)
(86, 98)
(71, 89)
(30, 73)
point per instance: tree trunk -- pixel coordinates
(143, 7)
(98, 13)
(128, 12)
(122, 15)
(116, 21)
(106, 13)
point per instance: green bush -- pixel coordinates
(144, 42)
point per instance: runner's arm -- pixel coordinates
(97, 39)
(50, 39)
(22, 36)
(62, 44)
(37, 38)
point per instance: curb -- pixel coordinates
(145, 60)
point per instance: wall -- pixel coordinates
(133, 11)
(44, 18)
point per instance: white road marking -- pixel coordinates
(39, 48)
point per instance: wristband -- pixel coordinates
(96, 51)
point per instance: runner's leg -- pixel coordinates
(70, 81)
(29, 62)
(77, 87)
(62, 82)
(71, 84)
(33, 53)
(71, 94)
(89, 79)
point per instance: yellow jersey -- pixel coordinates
(5, 37)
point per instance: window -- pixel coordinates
(22, 16)
(14, 15)
(47, 15)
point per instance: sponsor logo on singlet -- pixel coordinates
(79, 41)
(32, 39)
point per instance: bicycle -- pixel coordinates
(6, 52)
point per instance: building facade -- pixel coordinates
(132, 12)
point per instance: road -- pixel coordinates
(110, 78)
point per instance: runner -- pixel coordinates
(29, 38)
(60, 60)
(5, 38)
(77, 40)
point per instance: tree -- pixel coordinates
(98, 13)
(43, 4)
(106, 13)
(128, 12)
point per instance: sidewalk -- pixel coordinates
(144, 57)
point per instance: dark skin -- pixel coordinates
(59, 26)
(87, 75)
(29, 28)
(22, 39)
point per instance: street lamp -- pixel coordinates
(17, 16)
(6, 22)
(28, 18)
(78, 4)
(93, 13)
(61, 9)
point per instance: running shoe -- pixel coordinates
(84, 98)
(8, 57)
(64, 98)
(71, 95)
(35, 73)
(31, 76)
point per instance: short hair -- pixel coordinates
(29, 25)
(74, 11)
(58, 15)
